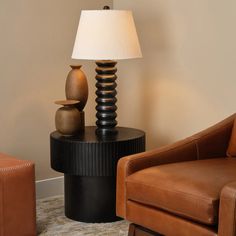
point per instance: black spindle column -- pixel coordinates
(106, 98)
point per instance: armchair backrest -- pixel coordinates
(213, 142)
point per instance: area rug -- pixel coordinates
(51, 221)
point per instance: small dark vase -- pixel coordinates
(77, 87)
(69, 120)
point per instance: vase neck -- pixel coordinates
(75, 66)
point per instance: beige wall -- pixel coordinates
(36, 40)
(186, 80)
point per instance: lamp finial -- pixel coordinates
(106, 8)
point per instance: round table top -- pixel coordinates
(89, 135)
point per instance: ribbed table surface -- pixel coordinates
(87, 154)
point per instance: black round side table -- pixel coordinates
(89, 166)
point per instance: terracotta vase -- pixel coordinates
(77, 87)
(69, 120)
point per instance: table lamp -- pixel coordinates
(106, 36)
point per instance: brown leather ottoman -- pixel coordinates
(17, 197)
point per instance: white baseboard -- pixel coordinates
(50, 187)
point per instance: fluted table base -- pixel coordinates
(90, 199)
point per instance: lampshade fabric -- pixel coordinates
(106, 35)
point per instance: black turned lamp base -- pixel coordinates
(106, 98)
(106, 133)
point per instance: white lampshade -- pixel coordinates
(106, 35)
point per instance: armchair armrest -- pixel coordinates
(227, 211)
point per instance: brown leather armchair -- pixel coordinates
(184, 189)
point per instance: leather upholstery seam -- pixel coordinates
(176, 212)
(194, 139)
(176, 192)
(155, 156)
(125, 195)
(211, 132)
(17, 167)
(234, 220)
(2, 204)
(226, 198)
(197, 149)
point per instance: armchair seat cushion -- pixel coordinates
(189, 189)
